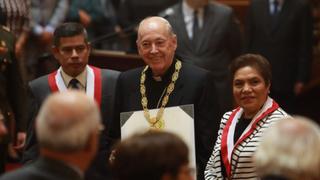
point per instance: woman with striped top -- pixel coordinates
(241, 129)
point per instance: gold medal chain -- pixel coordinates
(157, 122)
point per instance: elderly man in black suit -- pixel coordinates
(208, 37)
(68, 131)
(71, 48)
(281, 30)
(167, 78)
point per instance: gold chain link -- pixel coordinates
(157, 122)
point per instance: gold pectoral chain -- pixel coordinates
(157, 122)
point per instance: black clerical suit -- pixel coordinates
(192, 87)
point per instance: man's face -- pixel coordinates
(72, 54)
(197, 3)
(156, 45)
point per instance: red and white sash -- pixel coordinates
(93, 86)
(227, 141)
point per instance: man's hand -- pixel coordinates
(3, 50)
(3, 129)
(85, 18)
(298, 88)
(21, 140)
(46, 38)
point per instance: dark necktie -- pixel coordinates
(275, 7)
(74, 84)
(275, 14)
(195, 27)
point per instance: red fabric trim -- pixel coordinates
(224, 143)
(253, 127)
(52, 81)
(97, 84)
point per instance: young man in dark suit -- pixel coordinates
(68, 131)
(157, 44)
(71, 48)
(281, 30)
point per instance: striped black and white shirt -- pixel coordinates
(233, 160)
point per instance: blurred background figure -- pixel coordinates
(12, 97)
(241, 129)
(46, 15)
(16, 15)
(153, 155)
(67, 130)
(208, 37)
(290, 151)
(98, 17)
(281, 30)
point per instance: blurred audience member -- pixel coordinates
(17, 18)
(12, 98)
(153, 155)
(281, 31)
(99, 18)
(208, 37)
(46, 15)
(290, 150)
(67, 129)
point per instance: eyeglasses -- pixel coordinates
(69, 49)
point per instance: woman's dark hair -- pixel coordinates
(149, 156)
(255, 61)
(69, 29)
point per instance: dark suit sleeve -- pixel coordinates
(305, 42)
(207, 117)
(248, 29)
(234, 37)
(31, 150)
(114, 127)
(17, 92)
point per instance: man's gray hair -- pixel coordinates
(291, 149)
(66, 121)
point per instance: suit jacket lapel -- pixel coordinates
(267, 17)
(282, 14)
(181, 26)
(206, 29)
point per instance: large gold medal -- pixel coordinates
(158, 125)
(153, 120)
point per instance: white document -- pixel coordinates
(178, 120)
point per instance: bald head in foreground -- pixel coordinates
(290, 150)
(67, 128)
